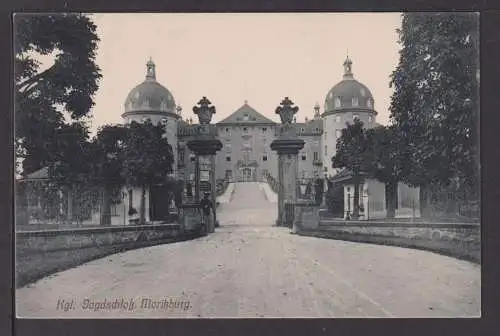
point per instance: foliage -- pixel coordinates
(353, 153)
(435, 105)
(69, 84)
(335, 199)
(70, 155)
(107, 162)
(148, 157)
(386, 161)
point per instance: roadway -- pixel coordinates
(248, 268)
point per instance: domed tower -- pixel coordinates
(151, 100)
(346, 101)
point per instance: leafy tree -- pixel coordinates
(107, 162)
(148, 158)
(69, 84)
(435, 105)
(386, 148)
(353, 153)
(70, 168)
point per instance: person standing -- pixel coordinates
(206, 207)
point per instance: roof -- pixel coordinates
(246, 115)
(348, 93)
(40, 174)
(345, 175)
(149, 96)
(311, 127)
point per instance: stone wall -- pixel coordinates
(460, 240)
(431, 231)
(29, 242)
(42, 253)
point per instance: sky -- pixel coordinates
(233, 58)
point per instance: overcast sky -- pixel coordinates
(231, 58)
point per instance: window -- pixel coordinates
(338, 133)
(338, 102)
(370, 119)
(245, 117)
(355, 116)
(369, 103)
(316, 143)
(181, 155)
(264, 158)
(264, 129)
(316, 156)
(164, 121)
(228, 159)
(355, 101)
(337, 119)
(227, 129)
(245, 129)
(192, 157)
(326, 150)
(302, 129)
(303, 157)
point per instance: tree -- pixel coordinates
(69, 84)
(353, 154)
(385, 146)
(148, 158)
(107, 162)
(435, 104)
(70, 168)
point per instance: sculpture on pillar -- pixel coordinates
(205, 146)
(204, 111)
(286, 111)
(287, 145)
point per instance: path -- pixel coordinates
(248, 268)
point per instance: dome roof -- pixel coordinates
(348, 93)
(149, 96)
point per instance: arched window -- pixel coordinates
(338, 102)
(355, 101)
(369, 103)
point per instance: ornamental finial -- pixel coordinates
(348, 68)
(151, 71)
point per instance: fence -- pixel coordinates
(47, 206)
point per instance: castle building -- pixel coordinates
(246, 135)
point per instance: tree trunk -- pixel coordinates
(106, 207)
(423, 201)
(142, 211)
(355, 210)
(391, 189)
(69, 200)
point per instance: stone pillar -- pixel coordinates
(207, 145)
(287, 146)
(197, 178)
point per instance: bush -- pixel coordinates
(335, 200)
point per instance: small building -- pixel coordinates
(373, 200)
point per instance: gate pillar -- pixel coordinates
(205, 146)
(287, 146)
